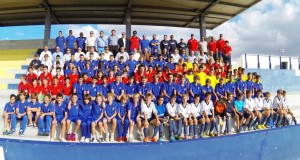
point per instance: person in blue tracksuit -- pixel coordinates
(22, 105)
(110, 117)
(73, 116)
(133, 115)
(97, 118)
(79, 88)
(122, 121)
(85, 115)
(10, 115)
(162, 116)
(46, 115)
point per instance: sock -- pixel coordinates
(191, 130)
(227, 125)
(278, 119)
(202, 128)
(155, 131)
(254, 123)
(185, 130)
(264, 119)
(249, 124)
(205, 127)
(294, 119)
(146, 132)
(160, 134)
(212, 126)
(216, 127)
(283, 121)
(195, 130)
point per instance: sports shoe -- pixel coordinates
(51, 139)
(40, 133)
(46, 134)
(112, 137)
(146, 139)
(73, 137)
(211, 134)
(82, 139)
(178, 137)
(119, 139)
(87, 140)
(141, 135)
(202, 136)
(21, 133)
(259, 127)
(34, 125)
(186, 137)
(130, 139)
(63, 140)
(68, 137)
(124, 138)
(12, 132)
(30, 125)
(217, 134)
(191, 137)
(101, 139)
(107, 138)
(154, 139)
(221, 122)
(196, 137)
(263, 127)
(172, 138)
(160, 139)
(93, 140)
(5, 132)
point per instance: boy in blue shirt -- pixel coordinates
(22, 105)
(93, 89)
(133, 116)
(168, 88)
(110, 117)
(161, 113)
(10, 116)
(73, 116)
(97, 118)
(122, 122)
(79, 88)
(239, 110)
(144, 87)
(46, 114)
(85, 114)
(117, 88)
(32, 110)
(130, 88)
(60, 116)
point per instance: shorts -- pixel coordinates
(210, 116)
(199, 117)
(73, 119)
(59, 119)
(261, 111)
(104, 118)
(232, 114)
(246, 115)
(95, 118)
(275, 110)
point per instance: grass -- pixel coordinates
(16, 54)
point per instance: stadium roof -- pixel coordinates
(177, 13)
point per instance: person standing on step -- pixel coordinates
(60, 41)
(113, 42)
(70, 42)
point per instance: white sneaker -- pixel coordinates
(112, 137)
(141, 136)
(107, 137)
(63, 140)
(52, 140)
(87, 140)
(130, 139)
(93, 140)
(101, 139)
(82, 139)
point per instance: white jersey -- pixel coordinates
(184, 110)
(249, 104)
(207, 107)
(259, 103)
(107, 55)
(172, 109)
(196, 109)
(77, 56)
(43, 54)
(124, 54)
(149, 110)
(277, 101)
(96, 55)
(176, 57)
(268, 103)
(286, 104)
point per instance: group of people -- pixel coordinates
(174, 90)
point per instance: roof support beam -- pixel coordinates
(203, 12)
(46, 3)
(47, 30)
(127, 19)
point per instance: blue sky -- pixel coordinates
(264, 29)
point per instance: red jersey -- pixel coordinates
(73, 78)
(220, 45)
(212, 46)
(125, 79)
(227, 50)
(35, 89)
(55, 89)
(61, 80)
(46, 76)
(99, 81)
(88, 80)
(30, 77)
(45, 89)
(110, 79)
(24, 87)
(193, 45)
(138, 77)
(67, 90)
(134, 43)
(217, 65)
(150, 76)
(223, 74)
(178, 71)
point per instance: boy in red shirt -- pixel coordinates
(23, 85)
(35, 88)
(74, 76)
(220, 46)
(45, 75)
(212, 46)
(61, 78)
(31, 75)
(193, 44)
(227, 52)
(55, 88)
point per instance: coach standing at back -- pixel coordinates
(90, 41)
(113, 42)
(134, 42)
(101, 42)
(124, 42)
(70, 42)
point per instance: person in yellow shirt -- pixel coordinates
(212, 78)
(188, 64)
(201, 75)
(190, 76)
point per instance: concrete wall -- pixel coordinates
(25, 44)
(266, 145)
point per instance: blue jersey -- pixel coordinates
(79, 89)
(258, 86)
(153, 64)
(93, 63)
(153, 47)
(170, 65)
(117, 88)
(47, 108)
(81, 64)
(144, 43)
(89, 72)
(249, 85)
(161, 110)
(10, 107)
(70, 40)
(130, 89)
(74, 111)
(22, 106)
(169, 88)
(221, 89)
(144, 89)
(60, 109)
(60, 43)
(93, 89)
(132, 64)
(182, 89)
(121, 65)
(230, 87)
(85, 110)
(196, 88)
(97, 110)
(80, 41)
(156, 89)
(122, 109)
(104, 90)
(239, 105)
(110, 64)
(173, 45)
(110, 109)
(160, 63)
(35, 105)
(143, 63)
(134, 110)
(240, 85)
